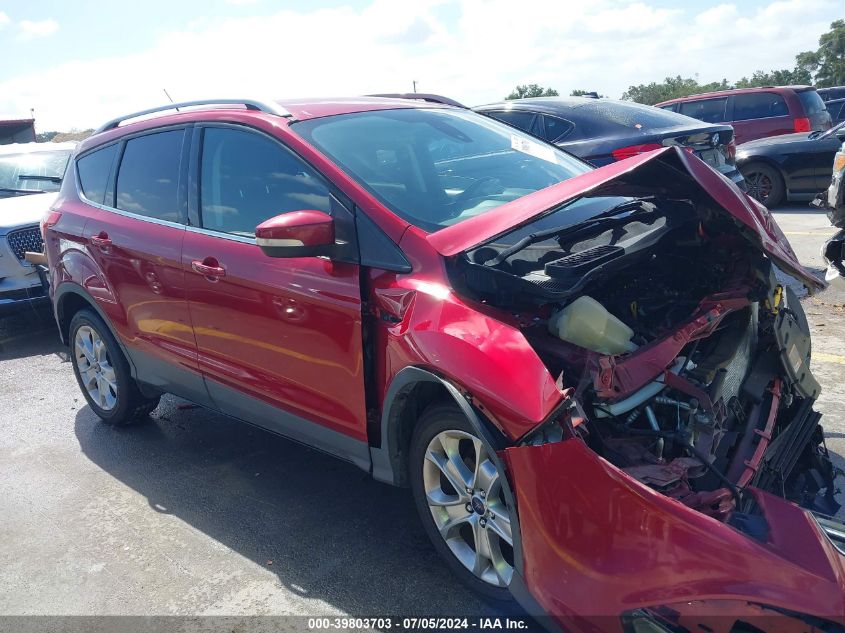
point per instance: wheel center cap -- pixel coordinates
(478, 506)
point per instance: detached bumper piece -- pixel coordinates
(597, 544)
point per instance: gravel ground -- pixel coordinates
(194, 514)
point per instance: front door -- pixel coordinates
(279, 340)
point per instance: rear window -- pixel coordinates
(708, 110)
(148, 180)
(632, 115)
(759, 105)
(555, 129)
(93, 172)
(811, 101)
(516, 118)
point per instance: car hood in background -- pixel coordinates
(24, 210)
(770, 141)
(669, 171)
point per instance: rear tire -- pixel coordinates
(765, 184)
(102, 372)
(461, 505)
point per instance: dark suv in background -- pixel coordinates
(602, 131)
(757, 112)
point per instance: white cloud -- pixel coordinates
(4, 19)
(30, 29)
(476, 56)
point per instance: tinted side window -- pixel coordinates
(148, 179)
(516, 118)
(760, 105)
(246, 178)
(709, 110)
(555, 129)
(94, 171)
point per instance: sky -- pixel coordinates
(80, 63)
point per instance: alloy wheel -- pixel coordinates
(92, 360)
(759, 185)
(464, 493)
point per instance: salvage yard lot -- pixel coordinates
(195, 514)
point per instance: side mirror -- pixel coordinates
(296, 234)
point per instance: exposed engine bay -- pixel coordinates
(687, 363)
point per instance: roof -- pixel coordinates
(735, 91)
(296, 110)
(17, 121)
(303, 109)
(27, 148)
(547, 104)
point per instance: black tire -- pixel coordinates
(434, 420)
(130, 405)
(765, 184)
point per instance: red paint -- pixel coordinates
(597, 543)
(311, 228)
(285, 331)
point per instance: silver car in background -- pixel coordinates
(30, 177)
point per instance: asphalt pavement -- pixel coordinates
(193, 514)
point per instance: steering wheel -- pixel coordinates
(469, 193)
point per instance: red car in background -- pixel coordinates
(591, 380)
(757, 112)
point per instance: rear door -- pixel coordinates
(136, 241)
(760, 114)
(279, 340)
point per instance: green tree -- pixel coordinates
(760, 78)
(525, 91)
(828, 62)
(670, 88)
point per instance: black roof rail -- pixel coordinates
(422, 96)
(269, 107)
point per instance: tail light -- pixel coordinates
(47, 221)
(622, 153)
(730, 152)
(802, 124)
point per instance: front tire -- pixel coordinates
(764, 183)
(102, 372)
(458, 493)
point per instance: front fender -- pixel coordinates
(489, 360)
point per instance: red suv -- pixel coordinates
(757, 112)
(591, 380)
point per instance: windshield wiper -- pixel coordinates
(10, 190)
(54, 179)
(604, 216)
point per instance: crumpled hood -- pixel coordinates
(19, 211)
(669, 171)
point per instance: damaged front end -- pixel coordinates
(671, 476)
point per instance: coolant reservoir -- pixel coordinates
(586, 323)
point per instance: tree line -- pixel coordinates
(823, 67)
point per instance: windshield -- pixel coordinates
(834, 130)
(438, 167)
(33, 171)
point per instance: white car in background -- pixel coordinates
(30, 177)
